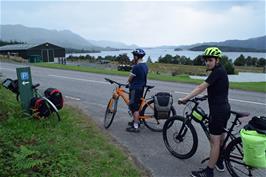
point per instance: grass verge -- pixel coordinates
(73, 147)
(247, 86)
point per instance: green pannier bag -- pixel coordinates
(254, 147)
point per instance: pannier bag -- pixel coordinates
(254, 148)
(254, 142)
(163, 102)
(11, 85)
(55, 96)
(39, 108)
(257, 123)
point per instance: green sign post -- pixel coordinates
(25, 87)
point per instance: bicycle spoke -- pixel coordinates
(235, 164)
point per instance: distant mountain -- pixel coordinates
(30, 35)
(227, 48)
(258, 43)
(112, 44)
(64, 38)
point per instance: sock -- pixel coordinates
(136, 125)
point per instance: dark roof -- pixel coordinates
(22, 46)
(18, 46)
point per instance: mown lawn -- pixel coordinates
(248, 86)
(73, 147)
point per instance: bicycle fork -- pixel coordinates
(181, 134)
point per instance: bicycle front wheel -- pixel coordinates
(235, 164)
(151, 122)
(180, 137)
(110, 112)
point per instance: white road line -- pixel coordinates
(244, 101)
(182, 92)
(73, 98)
(8, 69)
(101, 82)
(232, 99)
(73, 78)
(101, 105)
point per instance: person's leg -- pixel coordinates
(215, 141)
(214, 155)
(220, 162)
(137, 101)
(134, 104)
(224, 117)
(136, 119)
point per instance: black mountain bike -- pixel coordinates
(180, 138)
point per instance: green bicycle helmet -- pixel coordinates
(212, 52)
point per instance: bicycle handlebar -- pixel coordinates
(114, 82)
(194, 100)
(35, 86)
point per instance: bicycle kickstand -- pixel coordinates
(204, 160)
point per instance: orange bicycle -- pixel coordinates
(146, 109)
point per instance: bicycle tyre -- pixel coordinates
(155, 125)
(172, 148)
(235, 164)
(52, 109)
(109, 115)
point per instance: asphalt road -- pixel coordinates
(90, 92)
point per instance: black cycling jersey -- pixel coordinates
(218, 86)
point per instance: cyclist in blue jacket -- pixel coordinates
(137, 80)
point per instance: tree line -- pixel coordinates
(250, 61)
(2, 43)
(169, 59)
(121, 59)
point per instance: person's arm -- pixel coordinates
(199, 89)
(130, 78)
(132, 74)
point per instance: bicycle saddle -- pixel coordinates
(149, 86)
(240, 114)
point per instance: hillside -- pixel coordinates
(63, 38)
(227, 48)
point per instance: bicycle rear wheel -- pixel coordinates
(235, 164)
(53, 110)
(152, 123)
(110, 112)
(180, 137)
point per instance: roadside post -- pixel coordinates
(25, 87)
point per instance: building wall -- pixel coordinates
(20, 53)
(46, 51)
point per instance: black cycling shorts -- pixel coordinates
(135, 99)
(219, 116)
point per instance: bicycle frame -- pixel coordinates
(120, 92)
(206, 131)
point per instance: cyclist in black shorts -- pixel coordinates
(137, 80)
(217, 85)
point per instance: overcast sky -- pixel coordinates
(145, 23)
